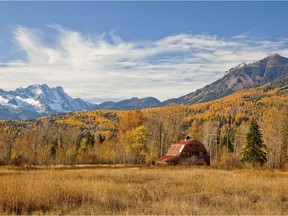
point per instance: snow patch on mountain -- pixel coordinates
(3, 100)
(30, 101)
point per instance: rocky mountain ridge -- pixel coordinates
(36, 101)
(243, 76)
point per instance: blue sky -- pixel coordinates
(117, 50)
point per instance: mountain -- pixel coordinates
(243, 76)
(129, 104)
(40, 100)
(36, 101)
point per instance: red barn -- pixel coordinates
(186, 151)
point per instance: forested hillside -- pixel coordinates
(140, 136)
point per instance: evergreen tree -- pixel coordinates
(254, 149)
(89, 138)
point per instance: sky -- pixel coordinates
(101, 51)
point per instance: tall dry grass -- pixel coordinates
(135, 191)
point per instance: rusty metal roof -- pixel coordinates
(175, 150)
(165, 159)
(189, 141)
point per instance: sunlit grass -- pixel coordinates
(133, 190)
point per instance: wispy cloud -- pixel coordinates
(105, 66)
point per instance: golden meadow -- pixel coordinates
(142, 190)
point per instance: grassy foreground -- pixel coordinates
(169, 190)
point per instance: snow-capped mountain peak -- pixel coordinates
(38, 100)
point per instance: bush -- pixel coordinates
(71, 156)
(16, 158)
(231, 161)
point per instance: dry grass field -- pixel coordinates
(142, 190)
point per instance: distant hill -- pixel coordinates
(243, 76)
(129, 104)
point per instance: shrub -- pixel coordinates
(16, 158)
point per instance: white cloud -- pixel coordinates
(105, 66)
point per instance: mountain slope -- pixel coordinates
(36, 101)
(241, 77)
(129, 104)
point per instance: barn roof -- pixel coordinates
(177, 148)
(165, 159)
(198, 146)
(189, 141)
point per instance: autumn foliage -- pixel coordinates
(141, 136)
